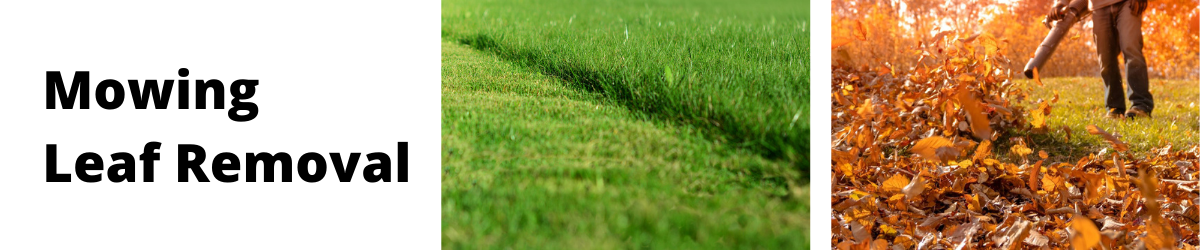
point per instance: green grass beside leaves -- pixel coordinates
(1176, 118)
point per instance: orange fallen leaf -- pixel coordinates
(969, 39)
(990, 46)
(883, 69)
(859, 31)
(839, 41)
(1038, 117)
(1158, 234)
(894, 184)
(929, 147)
(1037, 78)
(973, 203)
(983, 150)
(1116, 143)
(867, 110)
(1093, 193)
(1033, 175)
(980, 125)
(1021, 150)
(1051, 183)
(1086, 234)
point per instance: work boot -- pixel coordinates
(1114, 114)
(1137, 112)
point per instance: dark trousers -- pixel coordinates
(1119, 31)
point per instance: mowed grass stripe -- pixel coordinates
(735, 70)
(530, 163)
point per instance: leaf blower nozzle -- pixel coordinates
(1058, 29)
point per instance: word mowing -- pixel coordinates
(142, 95)
(225, 166)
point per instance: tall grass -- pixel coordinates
(735, 69)
(529, 162)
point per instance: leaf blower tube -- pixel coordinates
(1076, 10)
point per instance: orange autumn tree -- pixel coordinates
(1171, 31)
(875, 32)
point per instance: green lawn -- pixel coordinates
(625, 124)
(737, 70)
(1176, 118)
(532, 163)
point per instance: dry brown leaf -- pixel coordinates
(1051, 183)
(1036, 78)
(1036, 239)
(845, 245)
(938, 37)
(867, 110)
(969, 39)
(929, 147)
(1093, 193)
(894, 184)
(914, 188)
(925, 106)
(1017, 233)
(1021, 150)
(1037, 117)
(904, 241)
(980, 125)
(983, 151)
(1033, 175)
(883, 70)
(839, 41)
(1158, 233)
(1086, 235)
(1116, 143)
(973, 203)
(879, 244)
(862, 233)
(859, 31)
(990, 46)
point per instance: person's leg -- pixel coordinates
(1107, 44)
(1129, 32)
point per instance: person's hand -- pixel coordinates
(1138, 6)
(1056, 12)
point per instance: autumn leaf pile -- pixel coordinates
(915, 164)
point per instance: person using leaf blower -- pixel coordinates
(1117, 26)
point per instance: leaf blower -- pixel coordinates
(1076, 10)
